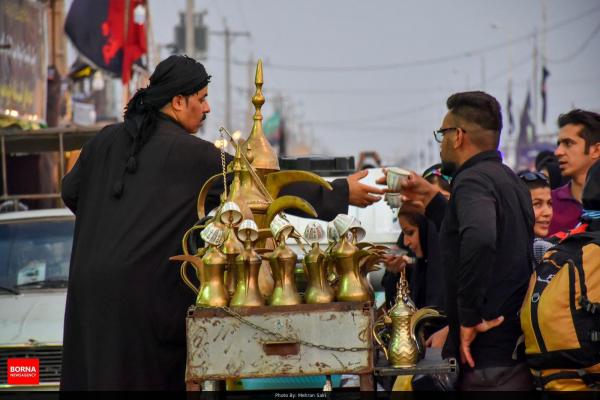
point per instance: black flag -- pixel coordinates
(511, 119)
(545, 75)
(98, 32)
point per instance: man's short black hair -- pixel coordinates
(591, 125)
(477, 107)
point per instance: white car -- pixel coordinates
(35, 251)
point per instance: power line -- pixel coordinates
(579, 50)
(381, 117)
(421, 62)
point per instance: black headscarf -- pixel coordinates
(426, 277)
(550, 164)
(177, 75)
(426, 281)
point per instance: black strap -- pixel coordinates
(587, 305)
(579, 269)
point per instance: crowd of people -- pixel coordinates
(470, 222)
(492, 228)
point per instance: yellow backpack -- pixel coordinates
(560, 316)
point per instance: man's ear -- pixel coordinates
(459, 138)
(177, 103)
(595, 151)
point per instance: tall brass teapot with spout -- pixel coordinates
(404, 345)
(318, 289)
(283, 265)
(351, 285)
(247, 266)
(210, 269)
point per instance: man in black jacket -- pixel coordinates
(486, 239)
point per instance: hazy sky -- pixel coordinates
(374, 75)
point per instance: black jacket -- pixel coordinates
(126, 303)
(486, 240)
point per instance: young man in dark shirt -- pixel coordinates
(578, 148)
(486, 240)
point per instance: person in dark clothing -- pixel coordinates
(134, 191)
(396, 262)
(425, 276)
(434, 175)
(486, 236)
(547, 163)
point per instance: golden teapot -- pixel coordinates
(351, 285)
(247, 293)
(210, 269)
(404, 345)
(318, 289)
(283, 265)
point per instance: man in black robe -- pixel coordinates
(133, 191)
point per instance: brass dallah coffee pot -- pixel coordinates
(318, 289)
(247, 265)
(403, 347)
(283, 265)
(210, 268)
(352, 284)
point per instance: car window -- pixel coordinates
(33, 252)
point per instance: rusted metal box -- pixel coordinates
(222, 346)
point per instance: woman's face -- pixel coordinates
(542, 209)
(411, 236)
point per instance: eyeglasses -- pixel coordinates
(529, 176)
(438, 172)
(439, 134)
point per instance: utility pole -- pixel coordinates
(482, 73)
(535, 82)
(189, 28)
(228, 35)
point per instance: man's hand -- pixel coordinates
(383, 179)
(416, 190)
(468, 334)
(360, 194)
(437, 339)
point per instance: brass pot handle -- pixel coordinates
(379, 324)
(196, 261)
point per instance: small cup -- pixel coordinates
(213, 234)
(346, 223)
(342, 222)
(356, 229)
(281, 228)
(358, 232)
(395, 176)
(332, 233)
(314, 232)
(394, 200)
(248, 230)
(230, 213)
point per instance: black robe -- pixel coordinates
(126, 304)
